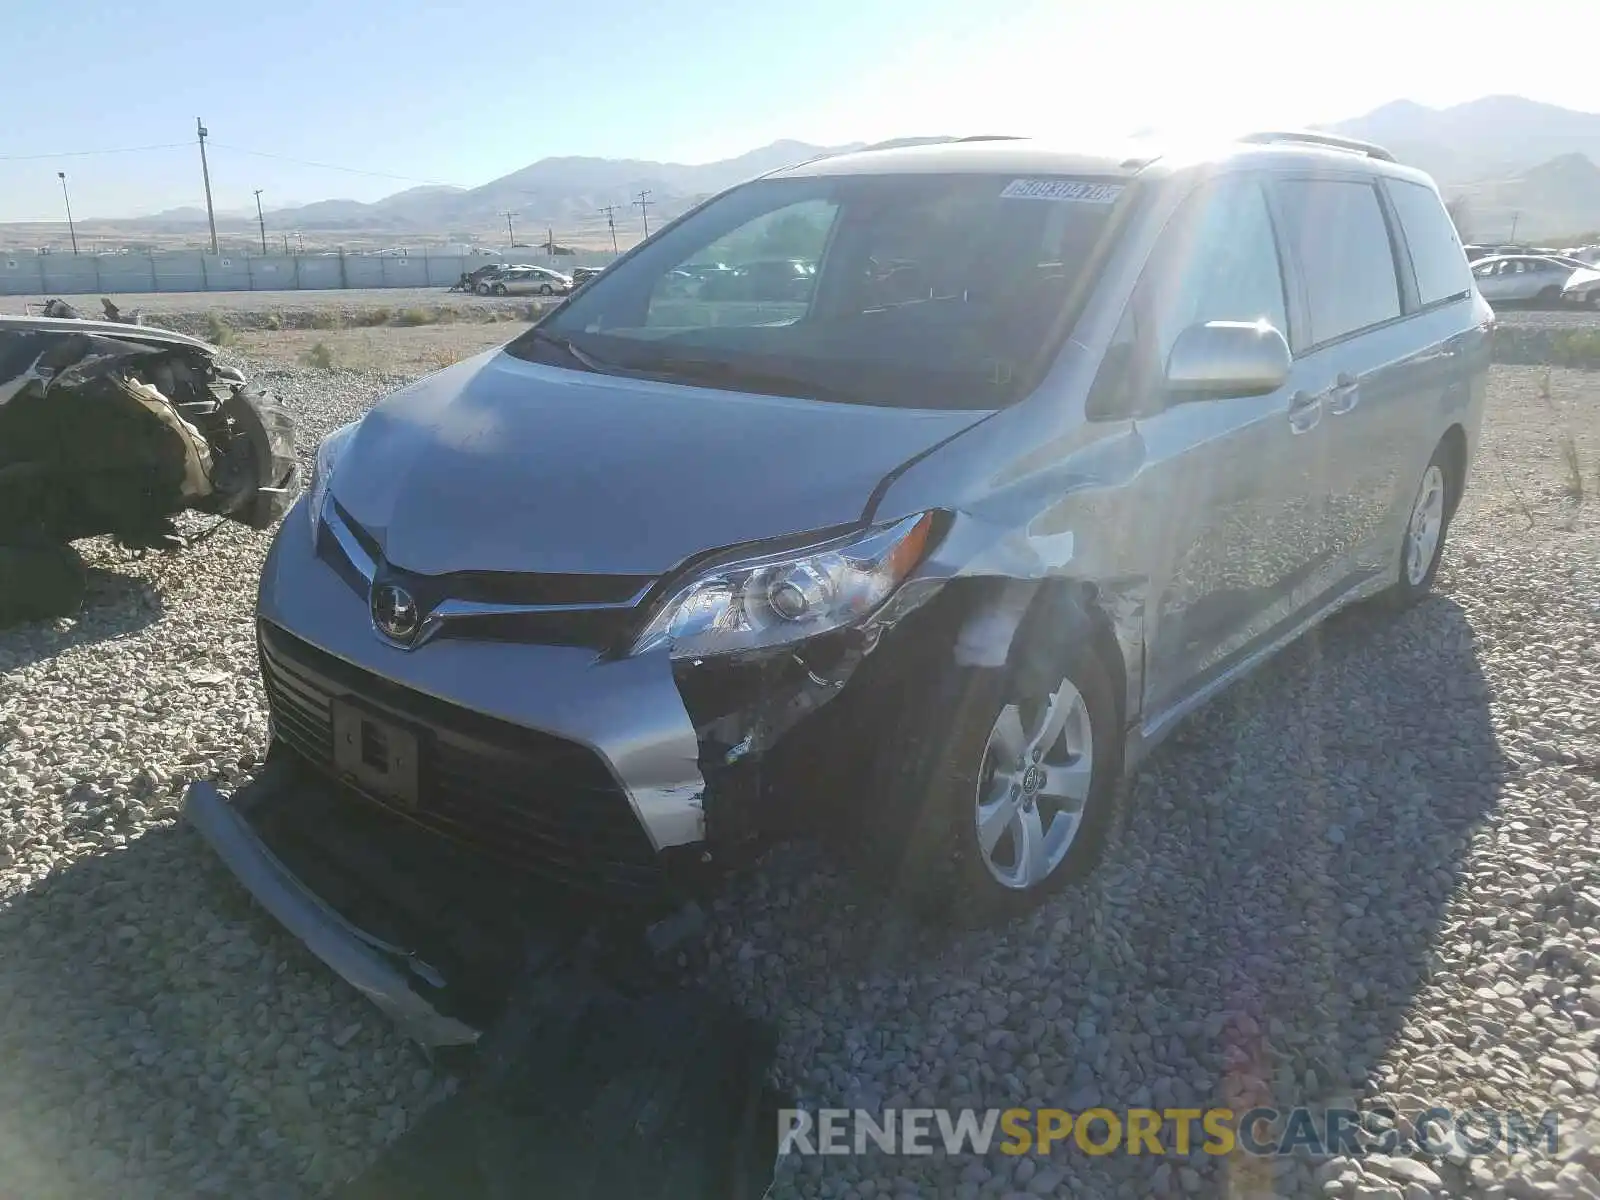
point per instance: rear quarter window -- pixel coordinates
(1340, 238)
(1437, 257)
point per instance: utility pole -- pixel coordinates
(644, 202)
(610, 211)
(205, 170)
(300, 240)
(510, 232)
(1514, 218)
(286, 245)
(261, 220)
(71, 229)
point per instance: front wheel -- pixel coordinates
(499, 289)
(1000, 786)
(546, 290)
(483, 289)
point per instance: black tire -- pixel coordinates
(499, 289)
(928, 775)
(483, 289)
(1408, 591)
(1548, 296)
(546, 290)
(262, 456)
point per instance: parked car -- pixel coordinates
(1530, 278)
(608, 604)
(1582, 290)
(486, 274)
(526, 281)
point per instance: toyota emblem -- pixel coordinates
(395, 613)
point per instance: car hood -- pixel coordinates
(496, 464)
(1582, 279)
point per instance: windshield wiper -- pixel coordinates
(583, 358)
(734, 377)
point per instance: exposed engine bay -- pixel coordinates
(111, 428)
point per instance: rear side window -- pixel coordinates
(1341, 240)
(1436, 254)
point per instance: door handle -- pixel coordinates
(1344, 395)
(1305, 411)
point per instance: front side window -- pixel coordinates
(1219, 262)
(1339, 236)
(1439, 262)
(914, 290)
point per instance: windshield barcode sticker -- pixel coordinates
(1076, 191)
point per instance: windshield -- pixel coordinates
(916, 290)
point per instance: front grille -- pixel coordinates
(556, 608)
(535, 801)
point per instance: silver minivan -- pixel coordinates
(1054, 447)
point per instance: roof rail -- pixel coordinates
(1333, 141)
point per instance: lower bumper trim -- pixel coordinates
(361, 960)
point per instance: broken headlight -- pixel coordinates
(755, 603)
(327, 458)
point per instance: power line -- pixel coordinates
(305, 162)
(91, 153)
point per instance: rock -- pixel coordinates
(1405, 1170)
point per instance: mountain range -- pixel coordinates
(1506, 158)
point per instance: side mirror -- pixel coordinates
(1227, 358)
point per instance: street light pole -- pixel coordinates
(205, 172)
(71, 229)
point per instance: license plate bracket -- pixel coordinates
(375, 753)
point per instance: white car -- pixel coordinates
(1532, 278)
(526, 281)
(1583, 289)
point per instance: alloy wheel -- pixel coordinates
(1032, 787)
(1426, 526)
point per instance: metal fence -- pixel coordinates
(135, 274)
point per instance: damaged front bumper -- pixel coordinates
(381, 972)
(495, 709)
(630, 777)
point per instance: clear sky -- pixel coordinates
(461, 94)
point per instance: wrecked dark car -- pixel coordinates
(936, 554)
(108, 428)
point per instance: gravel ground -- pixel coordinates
(383, 348)
(1565, 318)
(1368, 873)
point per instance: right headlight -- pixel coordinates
(327, 457)
(758, 602)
